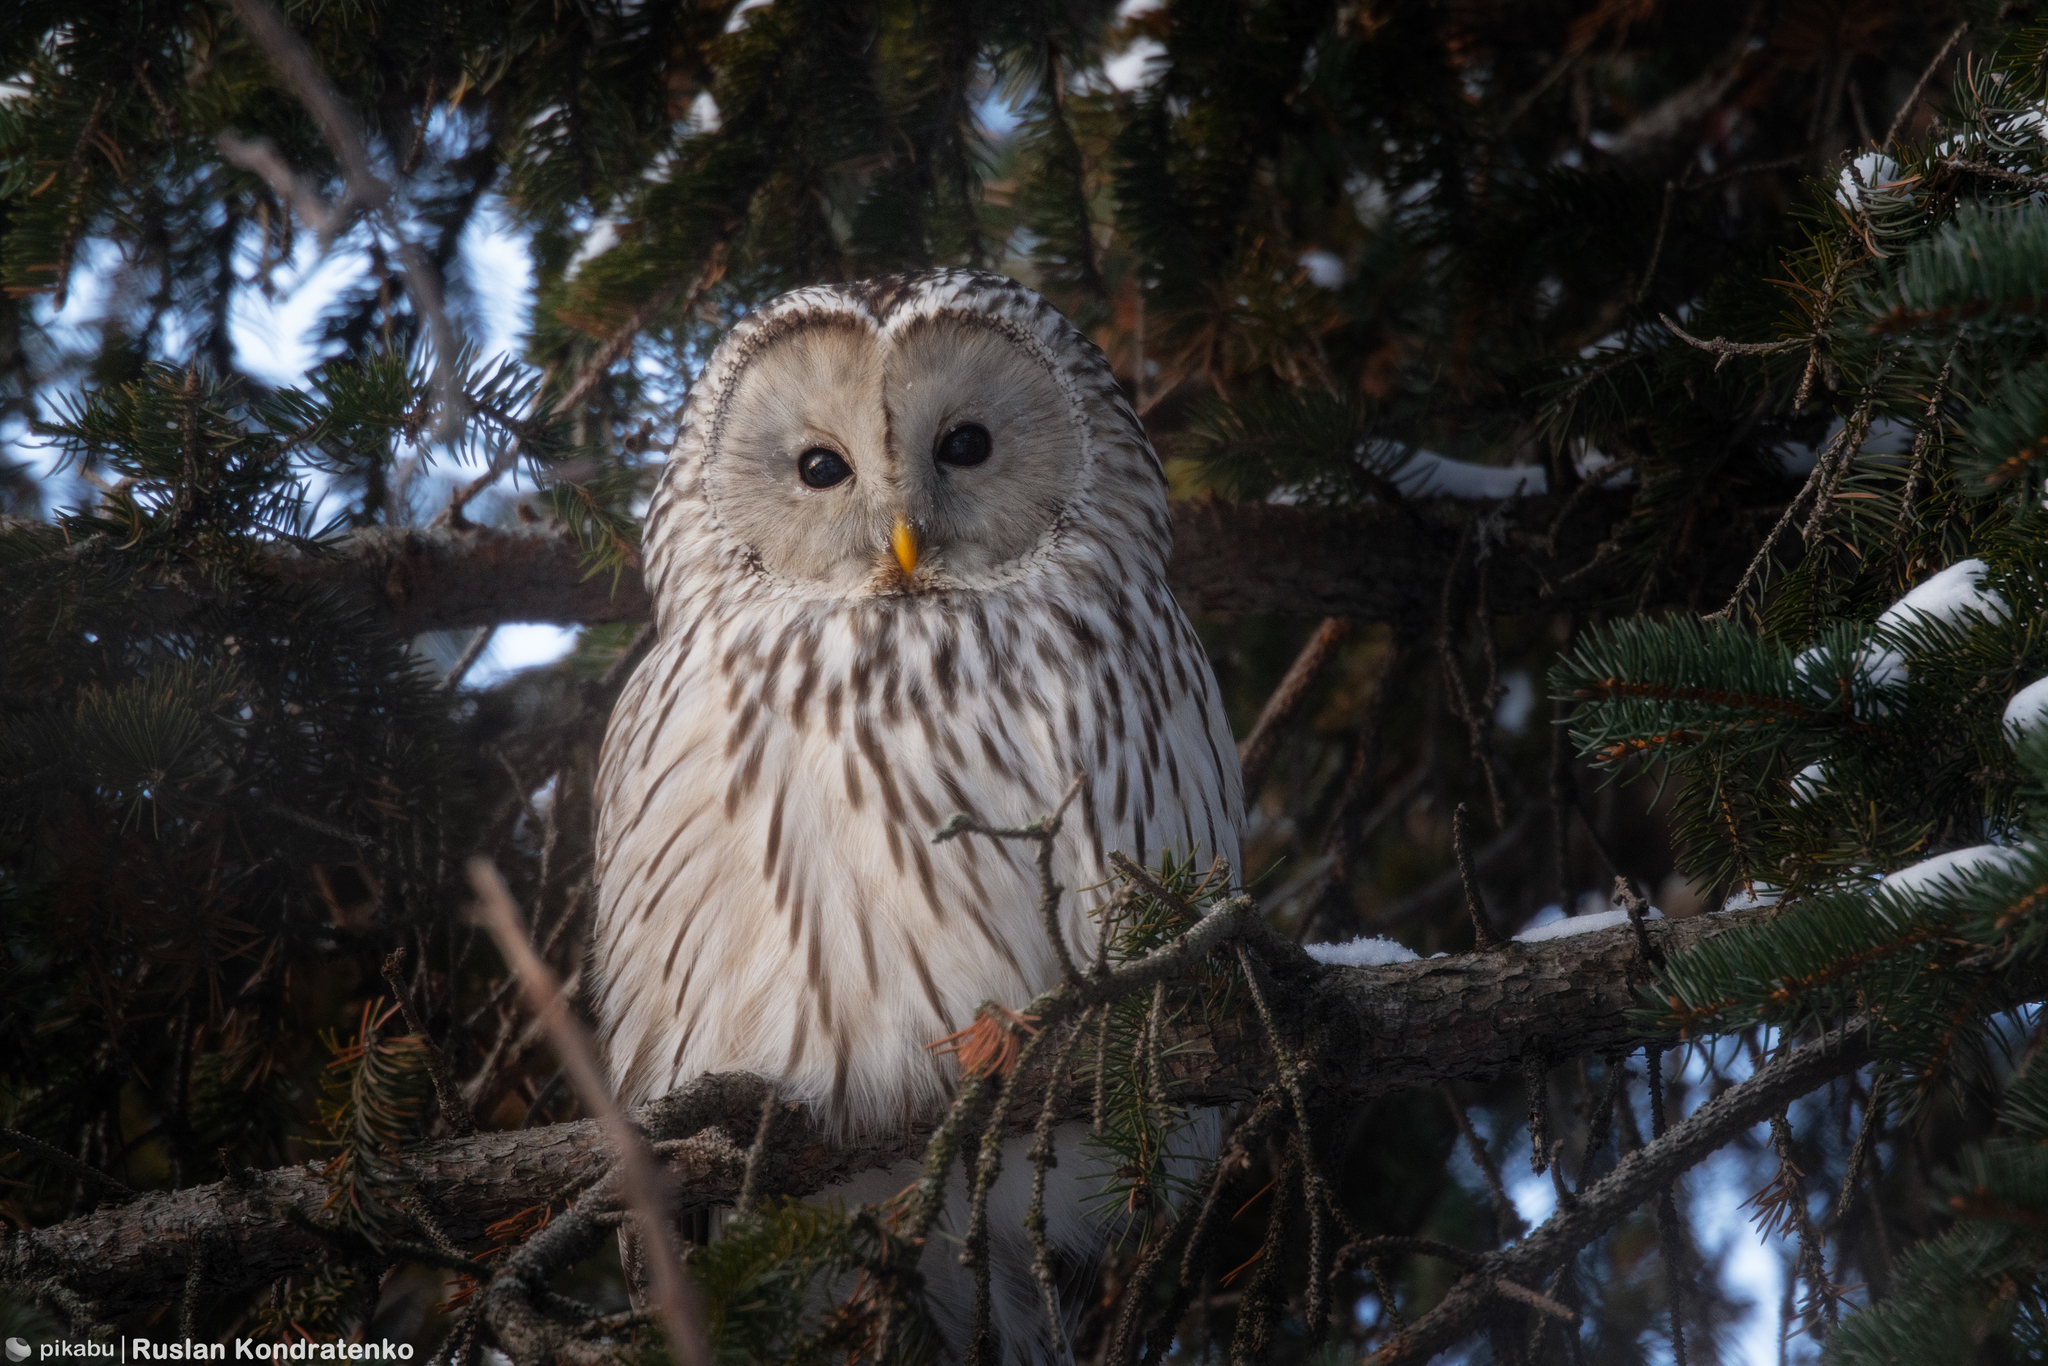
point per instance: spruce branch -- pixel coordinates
(1639, 1176)
(364, 190)
(1465, 1017)
(1365, 564)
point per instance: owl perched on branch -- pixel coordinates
(907, 558)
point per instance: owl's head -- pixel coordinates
(918, 433)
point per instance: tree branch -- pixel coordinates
(1368, 1031)
(1370, 564)
(1637, 1178)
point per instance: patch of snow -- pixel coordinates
(1955, 864)
(2028, 708)
(596, 242)
(1757, 894)
(1609, 345)
(1865, 180)
(1362, 952)
(1948, 598)
(738, 18)
(704, 116)
(1324, 268)
(1426, 474)
(1592, 460)
(1873, 668)
(1808, 783)
(1580, 924)
(1887, 438)
(1137, 66)
(1368, 198)
(1516, 702)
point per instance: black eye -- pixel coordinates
(821, 468)
(967, 444)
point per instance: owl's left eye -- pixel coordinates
(966, 445)
(821, 467)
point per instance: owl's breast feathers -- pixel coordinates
(770, 899)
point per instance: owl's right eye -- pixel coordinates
(821, 467)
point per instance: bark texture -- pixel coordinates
(1381, 563)
(1369, 1030)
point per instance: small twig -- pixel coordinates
(460, 1121)
(643, 1181)
(1041, 1161)
(57, 1157)
(1256, 1311)
(1846, 447)
(1235, 1156)
(1504, 1212)
(1924, 438)
(1668, 1233)
(1657, 243)
(1478, 718)
(1536, 1089)
(1483, 933)
(750, 1184)
(1542, 1303)
(1728, 350)
(479, 641)
(1638, 917)
(1891, 134)
(1603, 1116)
(1373, 1249)
(1824, 1296)
(1255, 751)
(1044, 833)
(1816, 479)
(342, 132)
(1866, 1135)
(1983, 168)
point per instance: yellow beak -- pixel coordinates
(903, 541)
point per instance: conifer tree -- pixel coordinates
(1687, 358)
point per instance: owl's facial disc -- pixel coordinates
(927, 459)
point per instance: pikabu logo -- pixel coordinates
(121, 1351)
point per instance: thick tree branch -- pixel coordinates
(1366, 1031)
(1368, 564)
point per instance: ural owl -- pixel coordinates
(907, 558)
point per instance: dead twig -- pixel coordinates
(445, 1091)
(1255, 751)
(363, 189)
(1728, 350)
(1912, 102)
(642, 1181)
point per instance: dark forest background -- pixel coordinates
(1558, 393)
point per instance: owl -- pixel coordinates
(907, 557)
